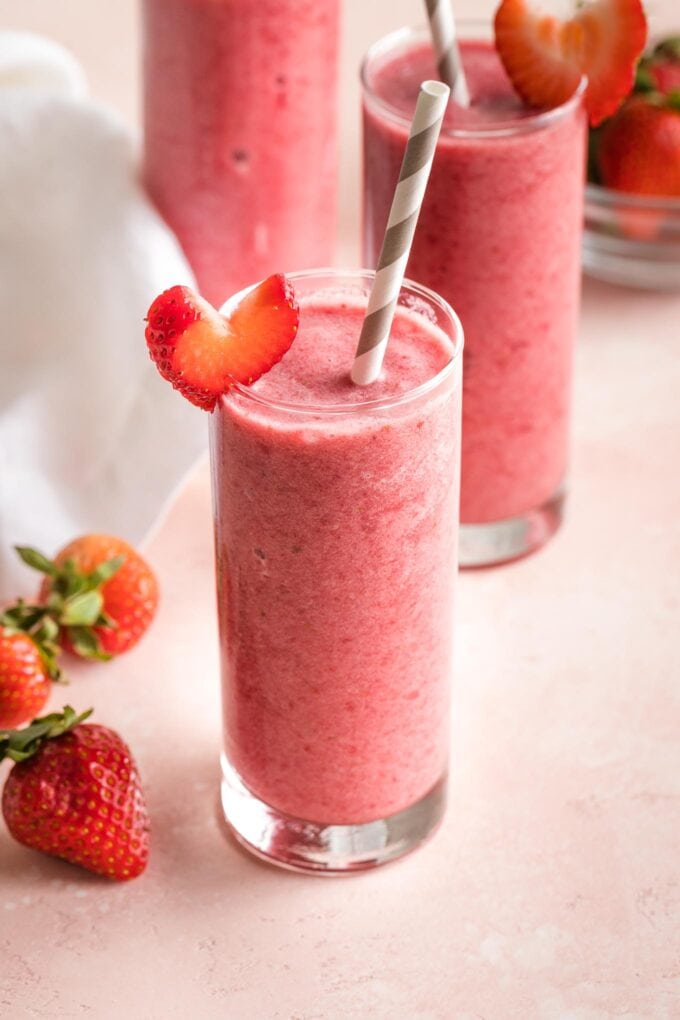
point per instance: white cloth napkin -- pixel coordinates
(91, 439)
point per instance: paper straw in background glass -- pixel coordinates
(447, 54)
(401, 224)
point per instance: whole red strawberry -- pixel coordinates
(28, 662)
(203, 353)
(101, 593)
(638, 149)
(74, 793)
(24, 678)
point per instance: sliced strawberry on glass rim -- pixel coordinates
(203, 353)
(545, 57)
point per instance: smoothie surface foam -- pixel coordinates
(316, 369)
(396, 81)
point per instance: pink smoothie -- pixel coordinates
(499, 238)
(239, 124)
(336, 553)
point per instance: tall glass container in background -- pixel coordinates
(336, 525)
(240, 133)
(499, 238)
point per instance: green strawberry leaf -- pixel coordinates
(74, 601)
(49, 654)
(46, 638)
(669, 48)
(41, 628)
(644, 80)
(70, 580)
(22, 616)
(105, 571)
(36, 560)
(86, 644)
(82, 610)
(49, 630)
(18, 745)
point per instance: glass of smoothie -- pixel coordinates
(499, 238)
(240, 133)
(336, 512)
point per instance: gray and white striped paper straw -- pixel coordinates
(447, 54)
(401, 224)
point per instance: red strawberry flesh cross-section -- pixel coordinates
(203, 353)
(545, 57)
(199, 354)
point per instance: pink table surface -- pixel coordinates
(552, 890)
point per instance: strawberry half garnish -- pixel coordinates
(203, 353)
(545, 58)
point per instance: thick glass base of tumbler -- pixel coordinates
(486, 545)
(301, 845)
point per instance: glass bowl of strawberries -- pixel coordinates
(632, 204)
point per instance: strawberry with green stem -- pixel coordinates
(74, 792)
(28, 662)
(30, 647)
(99, 591)
(72, 600)
(97, 600)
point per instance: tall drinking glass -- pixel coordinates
(336, 532)
(239, 133)
(499, 237)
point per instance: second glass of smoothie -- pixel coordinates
(239, 133)
(499, 238)
(335, 532)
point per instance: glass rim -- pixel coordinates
(361, 406)
(491, 129)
